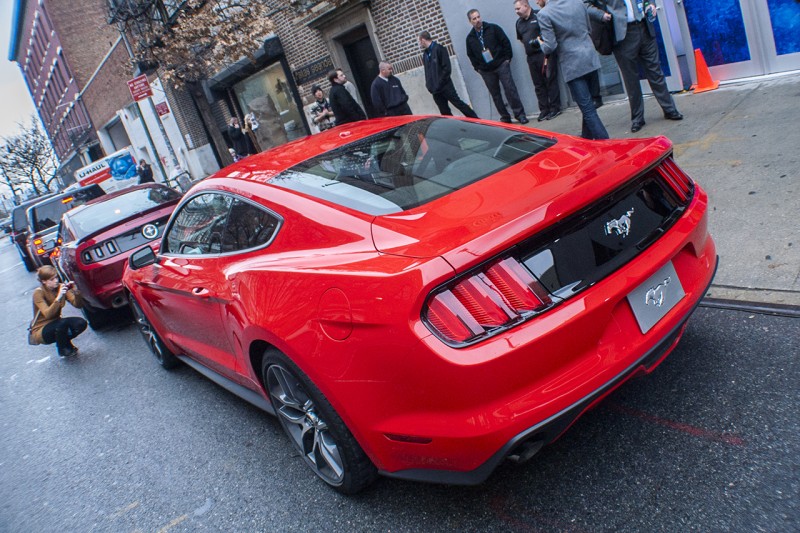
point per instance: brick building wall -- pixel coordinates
(86, 36)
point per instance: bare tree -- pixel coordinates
(27, 161)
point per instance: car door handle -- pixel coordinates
(202, 292)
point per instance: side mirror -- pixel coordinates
(142, 258)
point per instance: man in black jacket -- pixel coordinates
(489, 51)
(388, 96)
(543, 68)
(345, 108)
(437, 77)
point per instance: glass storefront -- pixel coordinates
(268, 96)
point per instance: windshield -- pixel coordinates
(411, 165)
(109, 212)
(47, 214)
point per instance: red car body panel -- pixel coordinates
(341, 293)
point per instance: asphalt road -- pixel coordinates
(111, 442)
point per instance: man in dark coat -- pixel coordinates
(388, 96)
(345, 108)
(489, 51)
(544, 69)
(144, 171)
(636, 47)
(437, 77)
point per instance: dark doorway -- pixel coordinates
(363, 63)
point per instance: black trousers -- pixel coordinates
(63, 330)
(449, 95)
(545, 82)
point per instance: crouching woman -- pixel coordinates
(48, 301)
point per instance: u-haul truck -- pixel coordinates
(112, 173)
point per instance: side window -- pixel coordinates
(198, 227)
(249, 226)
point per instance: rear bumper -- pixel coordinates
(526, 443)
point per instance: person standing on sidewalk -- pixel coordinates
(636, 47)
(345, 108)
(388, 96)
(566, 32)
(438, 70)
(544, 69)
(489, 51)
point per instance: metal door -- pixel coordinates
(741, 38)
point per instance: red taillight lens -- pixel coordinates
(677, 179)
(493, 299)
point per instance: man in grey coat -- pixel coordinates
(566, 33)
(636, 47)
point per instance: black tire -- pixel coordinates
(314, 428)
(165, 358)
(97, 318)
(30, 266)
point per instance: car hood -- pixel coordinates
(491, 215)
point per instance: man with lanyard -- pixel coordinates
(489, 51)
(636, 47)
(544, 69)
(437, 77)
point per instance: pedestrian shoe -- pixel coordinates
(543, 116)
(636, 126)
(674, 115)
(598, 102)
(553, 115)
(507, 120)
(67, 352)
(522, 119)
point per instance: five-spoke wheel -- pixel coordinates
(314, 428)
(164, 357)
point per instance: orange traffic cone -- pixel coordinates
(704, 81)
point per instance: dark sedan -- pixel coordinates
(97, 238)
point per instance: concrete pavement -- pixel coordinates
(741, 143)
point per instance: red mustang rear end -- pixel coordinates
(426, 297)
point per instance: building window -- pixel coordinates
(268, 96)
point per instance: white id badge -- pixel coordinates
(487, 56)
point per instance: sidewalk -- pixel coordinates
(741, 143)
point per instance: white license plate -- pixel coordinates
(651, 300)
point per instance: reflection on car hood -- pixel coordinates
(487, 217)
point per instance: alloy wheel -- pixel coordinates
(304, 425)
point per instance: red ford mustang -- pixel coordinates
(426, 297)
(97, 238)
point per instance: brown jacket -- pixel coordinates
(49, 309)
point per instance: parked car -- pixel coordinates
(426, 297)
(96, 239)
(43, 218)
(19, 230)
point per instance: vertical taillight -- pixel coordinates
(492, 299)
(677, 179)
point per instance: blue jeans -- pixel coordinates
(592, 127)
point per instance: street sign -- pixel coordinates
(140, 88)
(162, 108)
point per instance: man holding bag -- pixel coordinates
(636, 47)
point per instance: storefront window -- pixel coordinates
(268, 97)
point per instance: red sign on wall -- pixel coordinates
(140, 88)
(162, 108)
